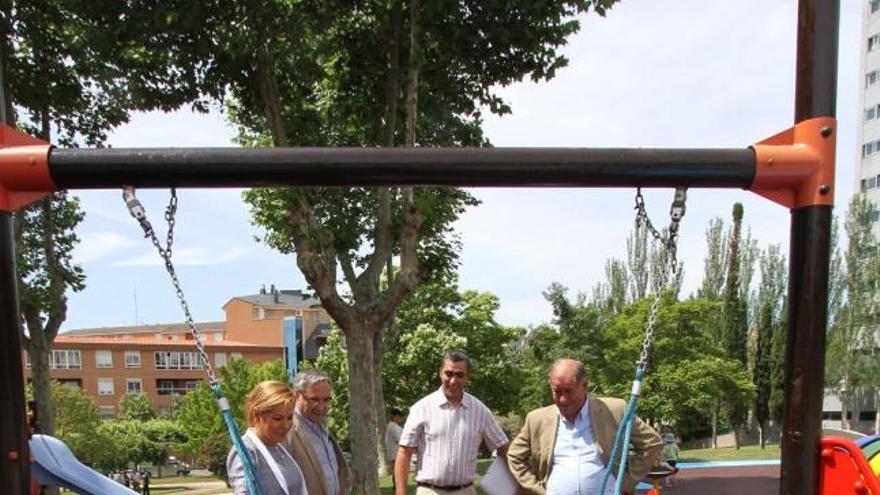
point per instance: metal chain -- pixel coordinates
(676, 212)
(139, 213)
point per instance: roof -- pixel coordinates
(296, 299)
(147, 342)
(157, 328)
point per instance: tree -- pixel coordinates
(770, 296)
(637, 262)
(135, 407)
(715, 384)
(715, 262)
(852, 337)
(735, 311)
(140, 442)
(70, 80)
(198, 414)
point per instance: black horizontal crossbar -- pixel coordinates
(489, 167)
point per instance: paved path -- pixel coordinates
(751, 480)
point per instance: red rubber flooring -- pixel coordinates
(750, 480)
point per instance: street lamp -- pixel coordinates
(843, 394)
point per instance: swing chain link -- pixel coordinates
(676, 213)
(139, 213)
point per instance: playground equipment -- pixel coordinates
(794, 168)
(55, 465)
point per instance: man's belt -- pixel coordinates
(448, 488)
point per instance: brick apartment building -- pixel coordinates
(162, 361)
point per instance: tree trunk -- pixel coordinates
(877, 411)
(362, 414)
(762, 426)
(38, 352)
(715, 428)
(412, 75)
(271, 98)
(381, 417)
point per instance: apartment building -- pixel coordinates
(162, 361)
(864, 402)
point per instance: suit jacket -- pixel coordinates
(310, 464)
(530, 455)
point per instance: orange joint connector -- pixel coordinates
(795, 168)
(24, 169)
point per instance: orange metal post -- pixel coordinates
(24, 169)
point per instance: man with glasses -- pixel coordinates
(446, 428)
(563, 449)
(313, 448)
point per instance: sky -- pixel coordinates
(676, 74)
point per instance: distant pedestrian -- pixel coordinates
(392, 439)
(146, 479)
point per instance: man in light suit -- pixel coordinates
(313, 447)
(564, 449)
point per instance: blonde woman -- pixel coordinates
(269, 412)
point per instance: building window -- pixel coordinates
(134, 386)
(105, 386)
(63, 359)
(74, 383)
(875, 6)
(103, 359)
(872, 182)
(219, 359)
(27, 360)
(107, 412)
(235, 355)
(132, 359)
(869, 149)
(218, 337)
(178, 361)
(870, 114)
(875, 216)
(874, 42)
(871, 78)
(867, 415)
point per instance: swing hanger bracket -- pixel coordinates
(24, 169)
(795, 168)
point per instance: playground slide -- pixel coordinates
(55, 465)
(845, 468)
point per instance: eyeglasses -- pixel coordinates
(457, 374)
(317, 400)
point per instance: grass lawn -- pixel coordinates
(746, 453)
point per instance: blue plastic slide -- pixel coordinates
(55, 465)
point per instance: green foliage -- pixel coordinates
(198, 413)
(139, 442)
(852, 348)
(334, 360)
(77, 422)
(213, 454)
(135, 407)
(437, 318)
(771, 295)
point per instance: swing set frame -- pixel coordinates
(794, 168)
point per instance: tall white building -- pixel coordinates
(864, 402)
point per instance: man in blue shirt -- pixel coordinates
(564, 449)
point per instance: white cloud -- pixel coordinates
(96, 246)
(189, 256)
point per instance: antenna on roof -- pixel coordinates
(136, 320)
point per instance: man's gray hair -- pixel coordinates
(581, 378)
(309, 377)
(456, 356)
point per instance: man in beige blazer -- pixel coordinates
(588, 428)
(313, 447)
